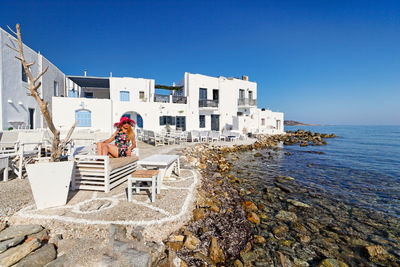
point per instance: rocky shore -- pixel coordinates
(240, 220)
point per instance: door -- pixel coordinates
(215, 122)
(216, 95)
(181, 123)
(31, 117)
(203, 94)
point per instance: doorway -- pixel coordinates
(216, 94)
(214, 122)
(31, 117)
(181, 123)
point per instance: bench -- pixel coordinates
(101, 173)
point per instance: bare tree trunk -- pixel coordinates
(57, 148)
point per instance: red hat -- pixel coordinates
(123, 120)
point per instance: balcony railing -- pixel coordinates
(247, 102)
(179, 99)
(161, 98)
(208, 103)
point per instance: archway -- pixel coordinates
(134, 116)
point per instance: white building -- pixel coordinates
(197, 102)
(17, 108)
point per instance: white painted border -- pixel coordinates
(26, 213)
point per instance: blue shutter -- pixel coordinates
(124, 96)
(84, 118)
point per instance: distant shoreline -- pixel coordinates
(296, 123)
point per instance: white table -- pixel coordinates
(4, 165)
(163, 163)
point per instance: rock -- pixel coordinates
(175, 246)
(61, 261)
(300, 263)
(280, 230)
(3, 226)
(283, 188)
(214, 208)
(259, 239)
(39, 258)
(249, 206)
(297, 203)
(176, 238)
(238, 263)
(43, 236)
(117, 232)
(258, 154)
(332, 263)
(191, 242)
(203, 166)
(6, 244)
(377, 253)
(137, 233)
(215, 251)
(15, 254)
(286, 216)
(248, 257)
(198, 214)
(19, 230)
(253, 217)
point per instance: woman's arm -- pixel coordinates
(109, 140)
(133, 142)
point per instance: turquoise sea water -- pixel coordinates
(360, 167)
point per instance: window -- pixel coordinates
(88, 94)
(167, 120)
(124, 96)
(83, 117)
(241, 93)
(141, 95)
(55, 88)
(239, 113)
(72, 93)
(24, 76)
(250, 94)
(262, 121)
(202, 119)
(203, 93)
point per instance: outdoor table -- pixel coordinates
(163, 163)
(4, 165)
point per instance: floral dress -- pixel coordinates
(122, 142)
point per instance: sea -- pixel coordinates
(360, 167)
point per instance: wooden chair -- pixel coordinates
(143, 179)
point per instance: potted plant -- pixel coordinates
(49, 178)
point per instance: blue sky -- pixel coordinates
(326, 62)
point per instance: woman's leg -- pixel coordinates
(110, 149)
(99, 148)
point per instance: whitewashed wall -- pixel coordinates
(150, 111)
(15, 102)
(64, 112)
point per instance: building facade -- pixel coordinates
(197, 102)
(19, 110)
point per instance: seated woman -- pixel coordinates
(123, 136)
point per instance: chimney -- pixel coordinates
(84, 73)
(245, 78)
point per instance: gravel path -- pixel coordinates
(14, 195)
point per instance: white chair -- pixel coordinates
(204, 136)
(214, 136)
(9, 142)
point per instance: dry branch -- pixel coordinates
(57, 147)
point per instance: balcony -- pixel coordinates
(208, 103)
(179, 99)
(247, 102)
(161, 98)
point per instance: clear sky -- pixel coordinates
(327, 62)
